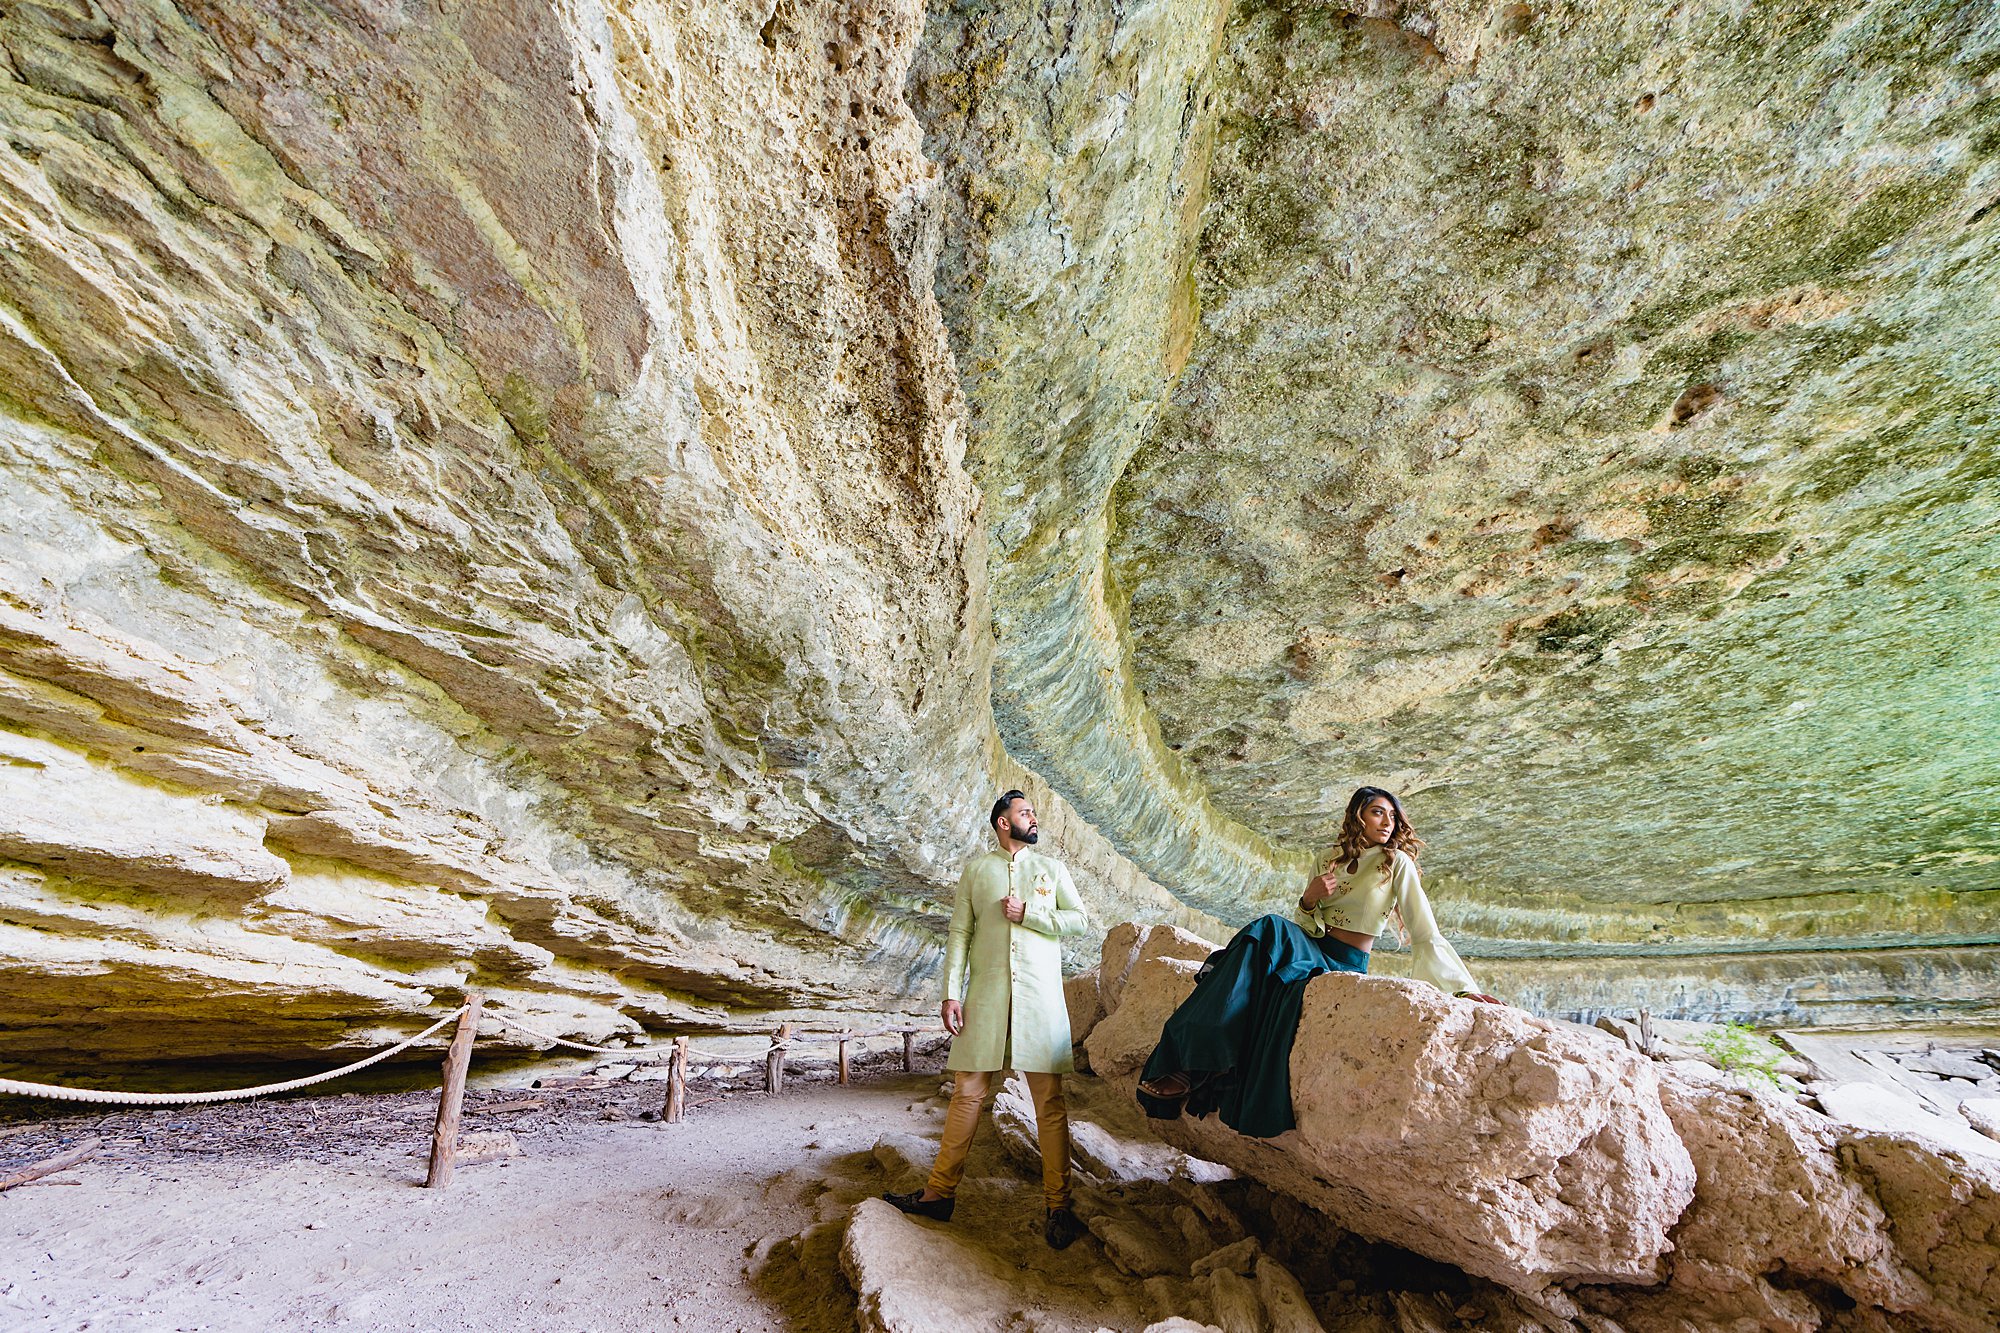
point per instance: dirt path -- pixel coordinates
(307, 1214)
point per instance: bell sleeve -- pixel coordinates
(1066, 917)
(1432, 958)
(958, 940)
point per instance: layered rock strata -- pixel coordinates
(1566, 415)
(483, 505)
(489, 498)
(1577, 1173)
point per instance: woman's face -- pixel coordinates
(1378, 820)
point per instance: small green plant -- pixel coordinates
(1737, 1049)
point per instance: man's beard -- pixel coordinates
(1029, 837)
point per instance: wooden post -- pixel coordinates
(909, 1050)
(677, 1065)
(774, 1062)
(843, 1058)
(451, 1097)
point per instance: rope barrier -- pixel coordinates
(660, 1055)
(445, 1141)
(519, 1026)
(824, 1037)
(55, 1093)
(644, 1055)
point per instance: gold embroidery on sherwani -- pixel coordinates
(1009, 974)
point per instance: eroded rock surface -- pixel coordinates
(590, 499)
(1523, 1151)
(483, 504)
(1562, 414)
(1560, 1164)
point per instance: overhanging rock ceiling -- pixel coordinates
(1582, 418)
(590, 500)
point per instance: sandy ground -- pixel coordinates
(309, 1214)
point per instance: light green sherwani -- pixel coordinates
(1015, 1015)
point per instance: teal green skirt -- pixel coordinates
(1233, 1036)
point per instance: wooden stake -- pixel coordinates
(774, 1062)
(451, 1097)
(843, 1059)
(909, 1050)
(60, 1162)
(677, 1066)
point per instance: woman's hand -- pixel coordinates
(1318, 889)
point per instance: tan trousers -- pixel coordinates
(968, 1097)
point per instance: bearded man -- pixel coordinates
(1012, 908)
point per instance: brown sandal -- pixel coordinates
(1163, 1098)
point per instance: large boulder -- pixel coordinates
(1154, 973)
(1596, 1183)
(1771, 1201)
(1513, 1147)
(1080, 997)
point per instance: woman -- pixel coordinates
(1229, 1046)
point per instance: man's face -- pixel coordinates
(1019, 823)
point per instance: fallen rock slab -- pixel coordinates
(1286, 1309)
(1475, 1134)
(1983, 1114)
(1098, 1152)
(911, 1280)
(1771, 1199)
(1946, 1065)
(1943, 1216)
(1874, 1107)
(922, 1277)
(1603, 1189)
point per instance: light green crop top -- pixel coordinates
(1383, 882)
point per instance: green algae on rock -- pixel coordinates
(591, 500)
(1585, 427)
(480, 479)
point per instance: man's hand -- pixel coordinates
(953, 1014)
(1014, 908)
(1476, 995)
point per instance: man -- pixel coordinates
(1011, 908)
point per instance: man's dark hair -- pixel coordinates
(1003, 805)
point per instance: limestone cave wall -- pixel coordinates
(1577, 417)
(484, 504)
(591, 498)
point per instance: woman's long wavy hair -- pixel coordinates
(1353, 842)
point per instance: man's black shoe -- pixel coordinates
(1063, 1229)
(914, 1202)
